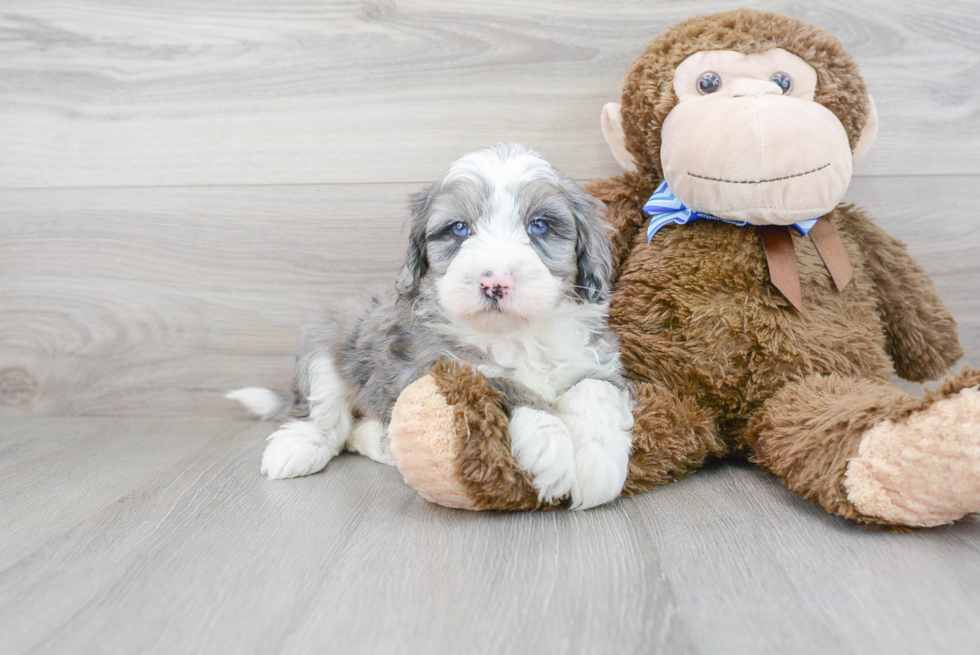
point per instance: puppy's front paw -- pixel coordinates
(297, 448)
(599, 475)
(543, 449)
(600, 419)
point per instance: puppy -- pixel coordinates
(508, 269)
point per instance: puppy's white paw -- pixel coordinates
(369, 438)
(543, 449)
(297, 448)
(599, 474)
(600, 419)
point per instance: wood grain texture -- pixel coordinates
(185, 548)
(100, 93)
(157, 301)
(183, 184)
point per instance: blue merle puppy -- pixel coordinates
(508, 270)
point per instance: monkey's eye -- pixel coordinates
(783, 80)
(709, 82)
(538, 228)
(460, 229)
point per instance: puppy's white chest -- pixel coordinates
(550, 356)
(539, 367)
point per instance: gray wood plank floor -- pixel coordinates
(182, 184)
(159, 536)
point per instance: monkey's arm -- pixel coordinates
(623, 211)
(921, 333)
(517, 395)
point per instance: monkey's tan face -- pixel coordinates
(747, 142)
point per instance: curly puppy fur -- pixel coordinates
(507, 269)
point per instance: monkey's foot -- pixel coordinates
(922, 470)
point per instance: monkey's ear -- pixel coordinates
(612, 130)
(868, 133)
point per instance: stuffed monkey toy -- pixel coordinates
(757, 316)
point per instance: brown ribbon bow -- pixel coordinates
(781, 257)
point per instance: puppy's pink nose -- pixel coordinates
(496, 285)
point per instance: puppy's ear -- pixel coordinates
(591, 245)
(416, 262)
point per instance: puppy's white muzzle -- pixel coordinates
(497, 280)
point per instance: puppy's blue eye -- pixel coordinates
(537, 228)
(461, 229)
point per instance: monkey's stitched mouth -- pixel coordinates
(775, 179)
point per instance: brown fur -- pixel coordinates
(722, 362)
(920, 332)
(701, 324)
(809, 430)
(671, 437)
(486, 465)
(648, 94)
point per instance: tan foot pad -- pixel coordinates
(923, 470)
(425, 447)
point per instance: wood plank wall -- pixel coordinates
(182, 184)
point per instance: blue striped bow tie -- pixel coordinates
(663, 207)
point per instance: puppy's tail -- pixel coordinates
(264, 404)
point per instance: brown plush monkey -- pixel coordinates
(747, 327)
